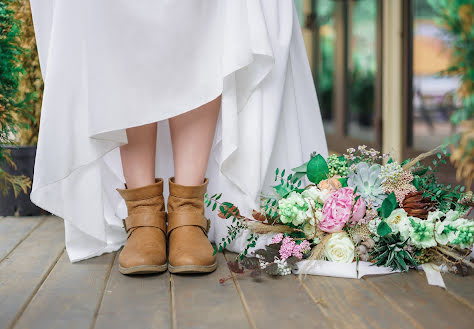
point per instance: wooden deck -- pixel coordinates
(40, 288)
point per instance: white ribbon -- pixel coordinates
(433, 275)
(349, 270)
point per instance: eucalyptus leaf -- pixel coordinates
(282, 190)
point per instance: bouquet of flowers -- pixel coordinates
(356, 209)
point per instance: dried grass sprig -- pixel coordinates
(453, 253)
(421, 157)
(261, 228)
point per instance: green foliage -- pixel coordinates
(390, 252)
(388, 205)
(317, 169)
(383, 229)
(343, 181)
(226, 210)
(31, 82)
(11, 105)
(444, 195)
(455, 17)
(287, 184)
(251, 242)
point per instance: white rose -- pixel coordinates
(314, 193)
(339, 248)
(399, 223)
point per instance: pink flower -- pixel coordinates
(289, 248)
(358, 211)
(300, 248)
(277, 238)
(338, 210)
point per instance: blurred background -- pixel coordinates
(395, 75)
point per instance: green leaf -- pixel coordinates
(214, 206)
(383, 229)
(343, 181)
(317, 169)
(282, 190)
(301, 169)
(388, 205)
(420, 172)
(416, 182)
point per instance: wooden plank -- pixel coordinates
(70, 296)
(22, 273)
(140, 301)
(431, 306)
(281, 302)
(13, 230)
(353, 303)
(200, 301)
(462, 288)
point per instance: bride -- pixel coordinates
(150, 104)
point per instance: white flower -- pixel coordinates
(293, 209)
(399, 223)
(339, 248)
(452, 215)
(373, 224)
(435, 215)
(283, 267)
(444, 237)
(314, 193)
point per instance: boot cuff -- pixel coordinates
(143, 192)
(187, 191)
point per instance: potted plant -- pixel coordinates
(20, 106)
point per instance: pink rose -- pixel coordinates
(337, 210)
(358, 211)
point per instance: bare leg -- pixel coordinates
(138, 156)
(192, 134)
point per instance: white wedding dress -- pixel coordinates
(113, 64)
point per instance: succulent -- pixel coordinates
(390, 252)
(366, 178)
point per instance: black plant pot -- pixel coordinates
(24, 158)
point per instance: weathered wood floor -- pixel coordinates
(40, 288)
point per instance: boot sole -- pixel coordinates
(143, 269)
(192, 268)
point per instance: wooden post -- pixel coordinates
(392, 72)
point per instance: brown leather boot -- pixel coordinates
(145, 249)
(189, 249)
